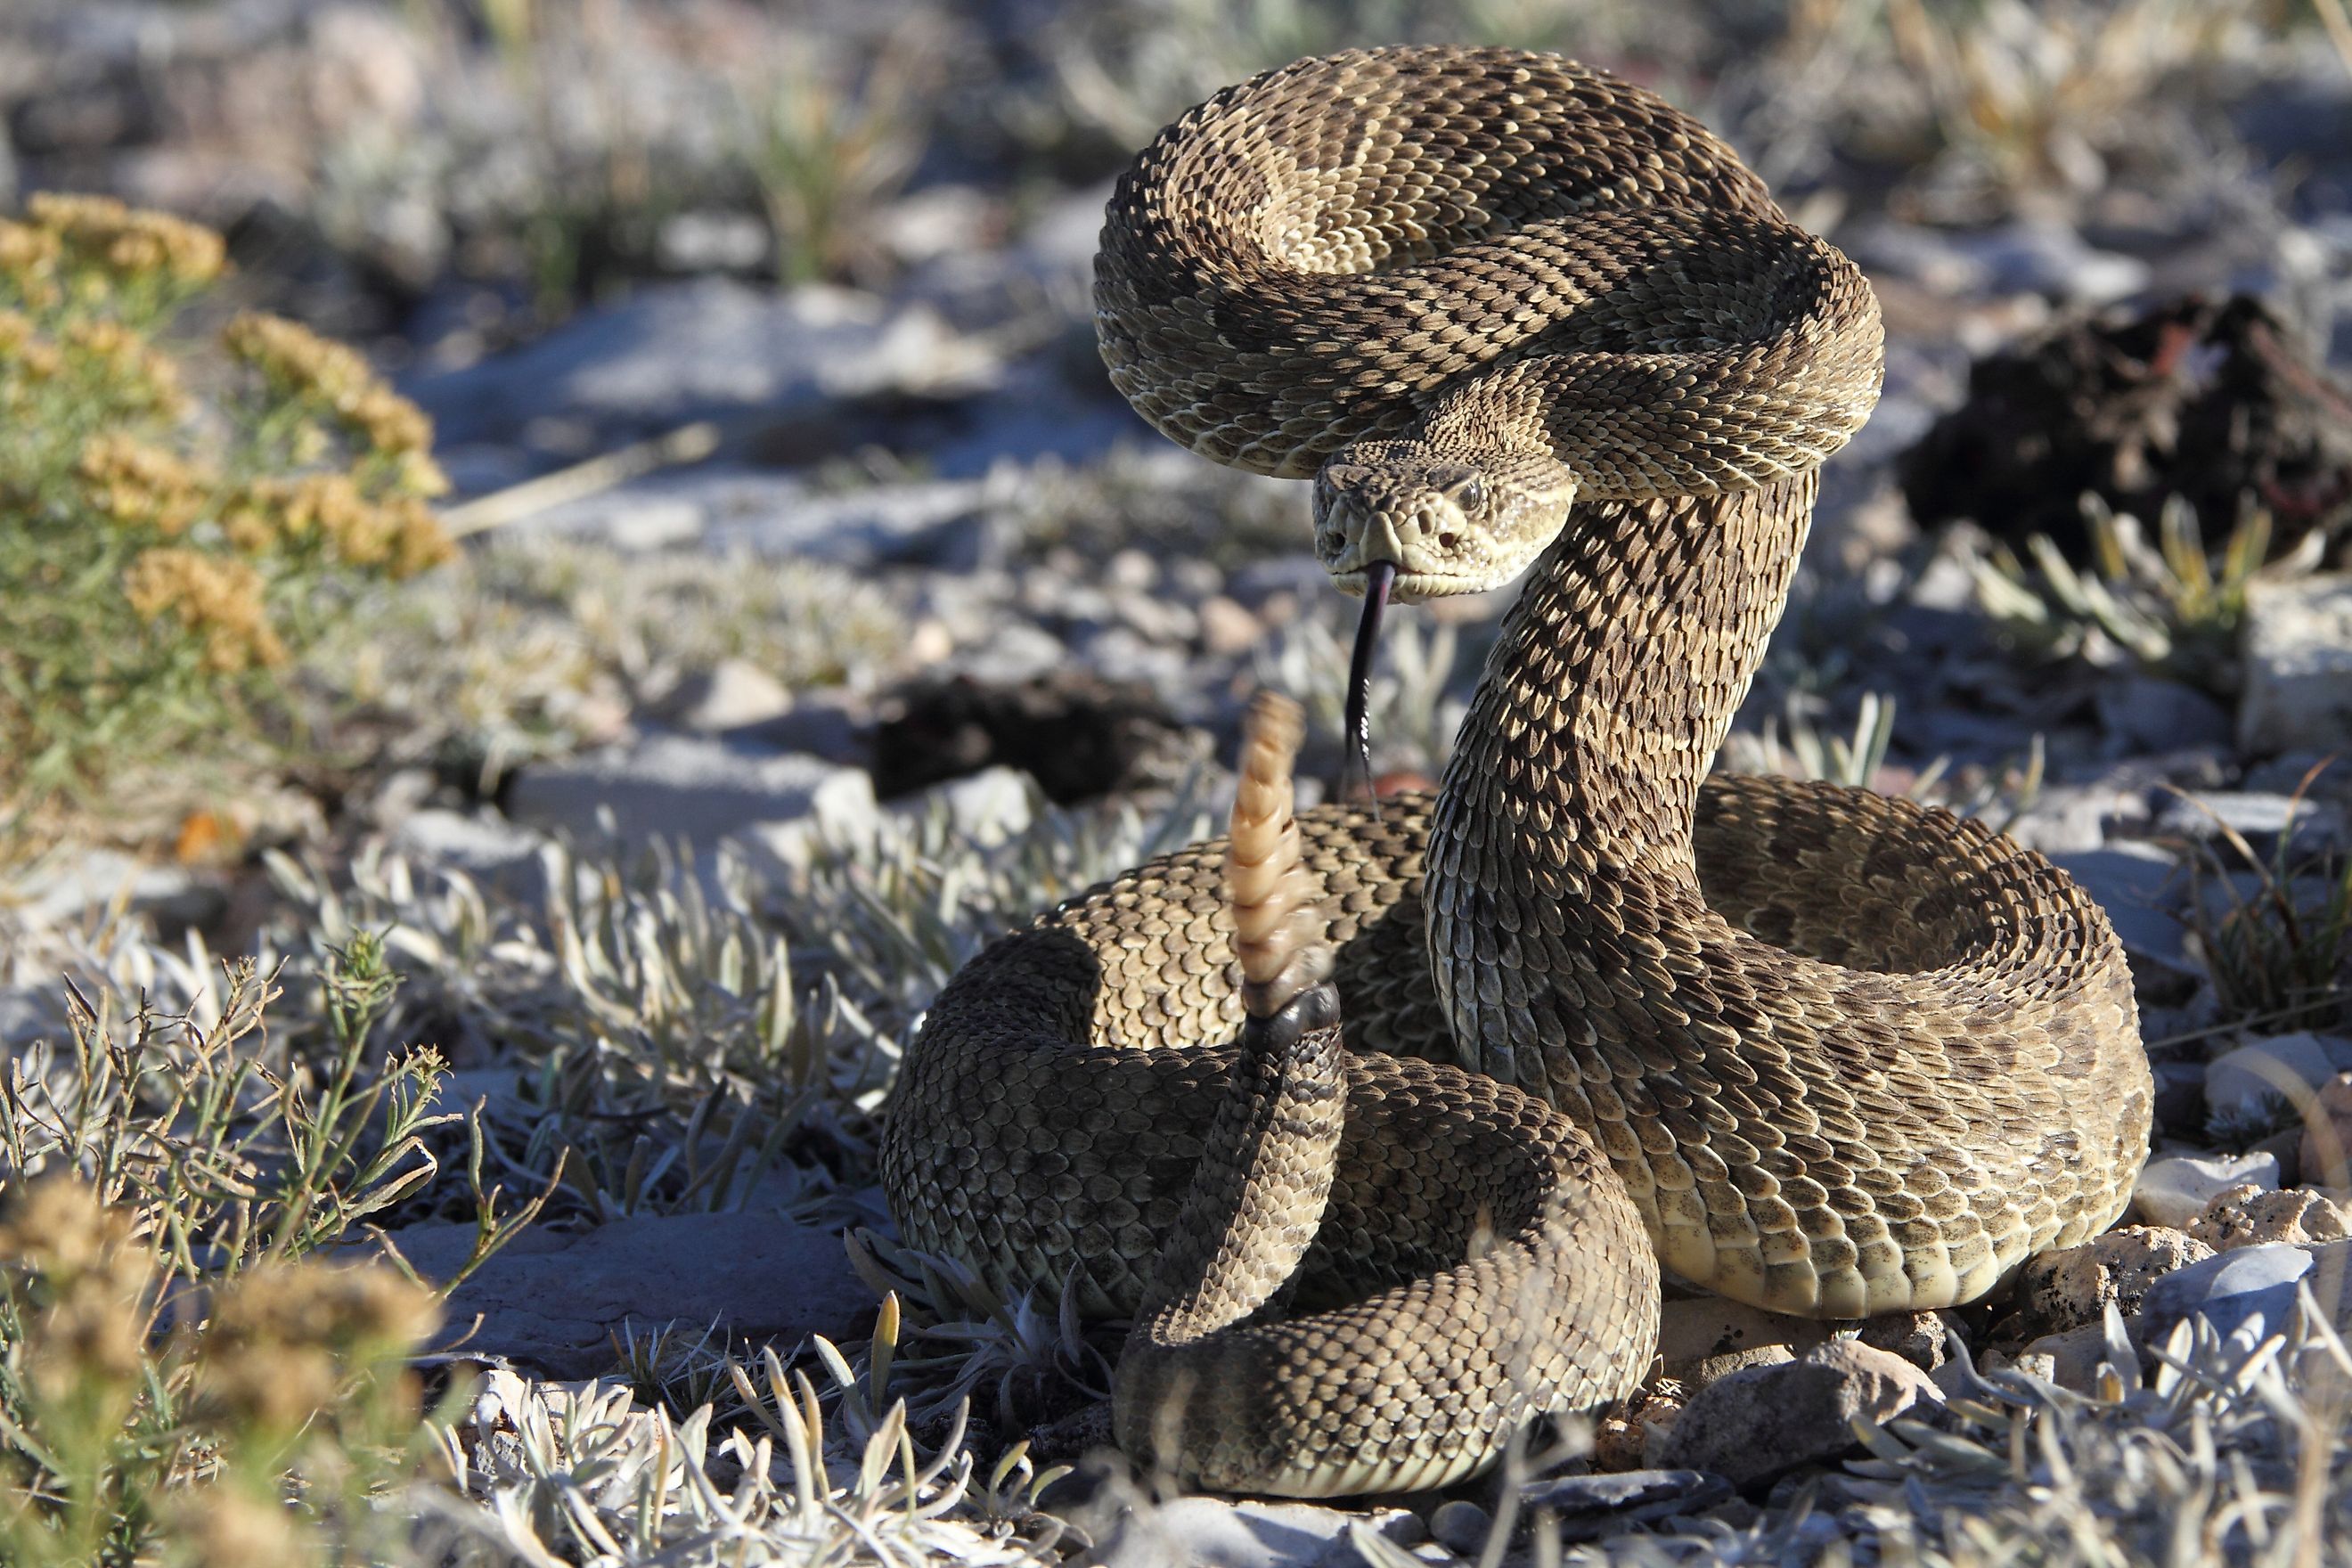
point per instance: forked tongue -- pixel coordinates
(1379, 577)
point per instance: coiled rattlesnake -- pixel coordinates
(1841, 1053)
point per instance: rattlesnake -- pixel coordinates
(1840, 1054)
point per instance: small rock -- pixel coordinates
(2248, 1217)
(730, 695)
(1226, 627)
(1461, 1526)
(2071, 1360)
(1587, 1507)
(56, 892)
(1918, 1336)
(1757, 1424)
(2263, 821)
(2245, 1083)
(678, 786)
(2296, 650)
(556, 1299)
(2227, 1289)
(2326, 1148)
(1210, 1533)
(482, 845)
(2070, 1288)
(820, 724)
(1625, 1438)
(986, 807)
(2174, 1188)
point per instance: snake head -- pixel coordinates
(1452, 520)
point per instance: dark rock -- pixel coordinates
(1756, 1425)
(2213, 402)
(1077, 735)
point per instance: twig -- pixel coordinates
(686, 444)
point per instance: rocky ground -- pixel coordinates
(810, 633)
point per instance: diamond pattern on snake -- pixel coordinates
(1384, 1134)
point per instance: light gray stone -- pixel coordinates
(482, 845)
(2174, 1189)
(1210, 1533)
(2289, 1068)
(2228, 1289)
(986, 807)
(2296, 650)
(686, 786)
(72, 886)
(733, 694)
(2307, 825)
(1589, 1506)
(555, 1300)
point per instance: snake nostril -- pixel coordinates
(1447, 541)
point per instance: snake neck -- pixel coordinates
(1565, 818)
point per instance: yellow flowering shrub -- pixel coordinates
(167, 556)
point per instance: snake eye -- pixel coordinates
(1470, 494)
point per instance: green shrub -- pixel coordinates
(164, 553)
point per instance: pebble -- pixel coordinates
(2308, 826)
(1210, 1533)
(733, 694)
(686, 786)
(2228, 1289)
(2296, 652)
(2143, 713)
(1586, 1506)
(1226, 629)
(483, 844)
(1461, 1526)
(2174, 1188)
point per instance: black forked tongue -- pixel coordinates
(1379, 577)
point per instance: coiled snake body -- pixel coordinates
(1816, 1049)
